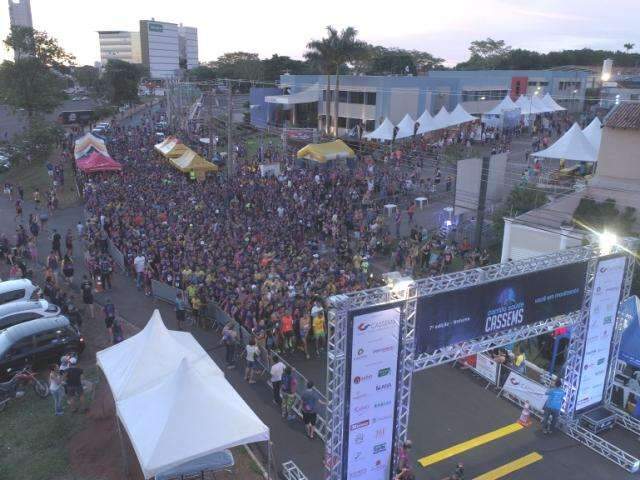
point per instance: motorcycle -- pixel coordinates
(13, 388)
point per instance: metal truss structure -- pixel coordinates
(291, 471)
(341, 305)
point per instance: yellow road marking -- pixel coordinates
(510, 467)
(469, 444)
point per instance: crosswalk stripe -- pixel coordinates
(469, 444)
(510, 467)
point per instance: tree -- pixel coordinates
(239, 65)
(38, 140)
(201, 73)
(485, 54)
(520, 200)
(275, 66)
(334, 51)
(88, 77)
(425, 61)
(392, 61)
(629, 46)
(122, 79)
(33, 81)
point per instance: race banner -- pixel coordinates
(461, 315)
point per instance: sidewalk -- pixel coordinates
(290, 442)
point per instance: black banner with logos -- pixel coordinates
(461, 315)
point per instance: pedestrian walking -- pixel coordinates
(229, 336)
(310, 401)
(180, 307)
(87, 295)
(55, 387)
(109, 317)
(56, 239)
(288, 387)
(67, 269)
(138, 266)
(252, 351)
(73, 385)
(277, 370)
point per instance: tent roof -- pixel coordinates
(309, 95)
(532, 105)
(460, 115)
(426, 123)
(144, 359)
(171, 147)
(573, 145)
(441, 118)
(383, 132)
(506, 104)
(97, 162)
(406, 127)
(593, 132)
(88, 137)
(323, 152)
(83, 148)
(187, 416)
(551, 103)
(190, 160)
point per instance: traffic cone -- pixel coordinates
(525, 416)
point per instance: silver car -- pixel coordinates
(24, 310)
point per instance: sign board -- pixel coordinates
(607, 287)
(630, 343)
(156, 27)
(372, 374)
(461, 315)
(487, 368)
(526, 390)
(269, 169)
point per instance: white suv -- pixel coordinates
(21, 289)
(14, 313)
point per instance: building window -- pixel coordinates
(370, 125)
(634, 96)
(343, 97)
(370, 98)
(538, 84)
(356, 97)
(569, 85)
(473, 95)
(342, 122)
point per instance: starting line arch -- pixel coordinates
(403, 299)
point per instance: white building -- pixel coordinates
(119, 45)
(188, 41)
(20, 13)
(160, 48)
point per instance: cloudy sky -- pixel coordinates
(443, 28)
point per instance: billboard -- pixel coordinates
(607, 288)
(461, 315)
(373, 348)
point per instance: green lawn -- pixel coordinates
(34, 442)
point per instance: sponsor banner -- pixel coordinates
(374, 340)
(461, 315)
(487, 368)
(607, 287)
(526, 390)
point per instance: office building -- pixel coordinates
(20, 13)
(188, 42)
(370, 99)
(119, 45)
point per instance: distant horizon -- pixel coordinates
(445, 31)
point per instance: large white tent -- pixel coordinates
(144, 359)
(531, 105)
(383, 132)
(551, 103)
(593, 132)
(187, 416)
(459, 116)
(505, 105)
(573, 145)
(426, 123)
(442, 118)
(406, 127)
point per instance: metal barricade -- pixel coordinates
(117, 255)
(164, 292)
(291, 471)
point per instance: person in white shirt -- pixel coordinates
(138, 266)
(252, 352)
(277, 369)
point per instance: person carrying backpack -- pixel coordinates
(288, 389)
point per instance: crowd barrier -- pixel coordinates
(117, 255)
(291, 471)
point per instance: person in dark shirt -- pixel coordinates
(73, 385)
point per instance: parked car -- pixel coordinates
(20, 311)
(21, 289)
(38, 342)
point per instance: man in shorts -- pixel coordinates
(317, 315)
(310, 400)
(73, 385)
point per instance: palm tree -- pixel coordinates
(332, 52)
(629, 46)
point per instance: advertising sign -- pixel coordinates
(607, 287)
(374, 347)
(460, 315)
(487, 368)
(526, 390)
(630, 344)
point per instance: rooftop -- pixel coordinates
(626, 115)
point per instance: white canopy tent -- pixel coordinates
(144, 359)
(187, 416)
(441, 119)
(531, 105)
(505, 105)
(309, 95)
(459, 116)
(573, 145)
(383, 132)
(551, 103)
(593, 132)
(426, 123)
(406, 127)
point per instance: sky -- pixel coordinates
(443, 28)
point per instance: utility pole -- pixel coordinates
(230, 165)
(482, 199)
(210, 100)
